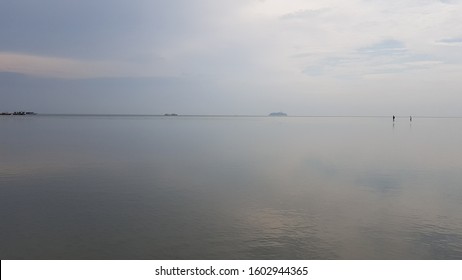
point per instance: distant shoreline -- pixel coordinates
(232, 116)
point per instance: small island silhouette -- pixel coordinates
(277, 114)
(17, 113)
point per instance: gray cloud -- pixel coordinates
(386, 47)
(231, 56)
(449, 1)
(304, 14)
(95, 29)
(457, 41)
(386, 56)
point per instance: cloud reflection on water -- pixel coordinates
(230, 188)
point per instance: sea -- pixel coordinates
(230, 187)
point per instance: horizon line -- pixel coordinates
(243, 115)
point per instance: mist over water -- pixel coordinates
(115, 187)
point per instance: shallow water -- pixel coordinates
(115, 187)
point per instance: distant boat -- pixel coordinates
(278, 114)
(171, 115)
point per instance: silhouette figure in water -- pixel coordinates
(393, 117)
(410, 118)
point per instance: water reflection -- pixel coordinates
(230, 188)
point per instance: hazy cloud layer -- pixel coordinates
(244, 56)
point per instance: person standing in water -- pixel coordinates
(393, 117)
(410, 118)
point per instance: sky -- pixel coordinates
(330, 57)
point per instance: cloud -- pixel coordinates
(220, 40)
(75, 69)
(385, 47)
(103, 29)
(304, 14)
(384, 57)
(51, 66)
(450, 41)
(449, 1)
(290, 52)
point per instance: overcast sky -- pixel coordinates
(330, 57)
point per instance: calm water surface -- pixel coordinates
(87, 187)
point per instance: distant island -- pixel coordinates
(278, 114)
(18, 113)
